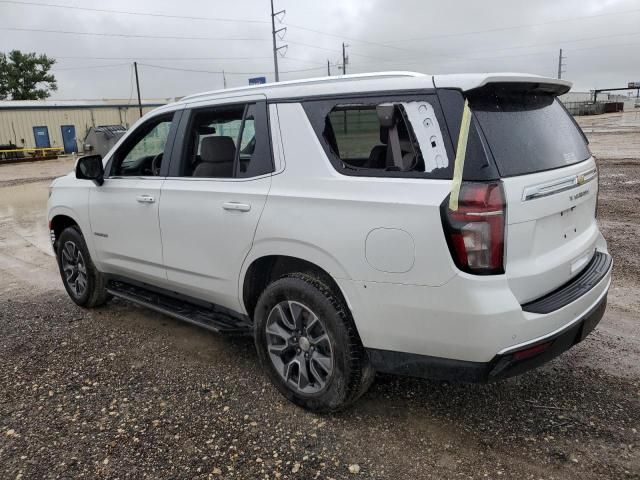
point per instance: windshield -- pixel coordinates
(527, 132)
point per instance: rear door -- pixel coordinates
(550, 184)
(213, 199)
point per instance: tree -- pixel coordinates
(26, 76)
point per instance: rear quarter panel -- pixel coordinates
(317, 214)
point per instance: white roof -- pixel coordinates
(372, 82)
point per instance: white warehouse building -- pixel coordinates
(64, 123)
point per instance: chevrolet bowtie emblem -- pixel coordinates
(580, 179)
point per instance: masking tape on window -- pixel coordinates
(461, 152)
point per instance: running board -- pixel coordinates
(213, 317)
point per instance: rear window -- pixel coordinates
(527, 132)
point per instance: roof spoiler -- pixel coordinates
(516, 81)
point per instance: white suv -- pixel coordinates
(435, 226)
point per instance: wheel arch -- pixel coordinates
(261, 271)
(61, 217)
(58, 223)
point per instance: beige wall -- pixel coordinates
(22, 121)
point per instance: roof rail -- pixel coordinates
(308, 81)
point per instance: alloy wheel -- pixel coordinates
(299, 347)
(74, 268)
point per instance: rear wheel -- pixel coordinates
(84, 283)
(308, 343)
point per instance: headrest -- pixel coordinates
(217, 149)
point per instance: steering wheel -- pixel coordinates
(155, 164)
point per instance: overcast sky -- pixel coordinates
(600, 38)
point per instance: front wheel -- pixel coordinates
(308, 343)
(83, 282)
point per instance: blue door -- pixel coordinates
(41, 135)
(69, 138)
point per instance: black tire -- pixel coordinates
(351, 373)
(94, 292)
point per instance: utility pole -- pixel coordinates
(345, 60)
(561, 64)
(328, 68)
(224, 80)
(274, 32)
(135, 67)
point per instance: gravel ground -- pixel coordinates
(122, 392)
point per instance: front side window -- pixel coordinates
(229, 141)
(142, 153)
(386, 136)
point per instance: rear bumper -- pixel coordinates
(591, 275)
(504, 365)
(470, 318)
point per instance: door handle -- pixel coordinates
(238, 207)
(145, 199)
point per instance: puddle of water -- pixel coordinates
(23, 210)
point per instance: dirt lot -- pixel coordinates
(121, 392)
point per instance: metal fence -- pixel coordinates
(591, 108)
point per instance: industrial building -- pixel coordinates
(582, 103)
(64, 123)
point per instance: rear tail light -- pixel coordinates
(475, 231)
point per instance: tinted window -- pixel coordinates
(227, 141)
(143, 151)
(528, 132)
(255, 149)
(213, 142)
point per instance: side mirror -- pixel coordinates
(90, 167)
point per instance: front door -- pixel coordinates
(213, 198)
(41, 135)
(124, 210)
(69, 138)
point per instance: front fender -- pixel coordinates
(73, 202)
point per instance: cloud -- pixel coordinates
(599, 39)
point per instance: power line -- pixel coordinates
(514, 27)
(127, 12)
(127, 35)
(90, 67)
(409, 61)
(173, 59)
(333, 50)
(448, 55)
(555, 42)
(219, 72)
(320, 32)
(455, 56)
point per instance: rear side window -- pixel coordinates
(227, 141)
(384, 136)
(528, 132)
